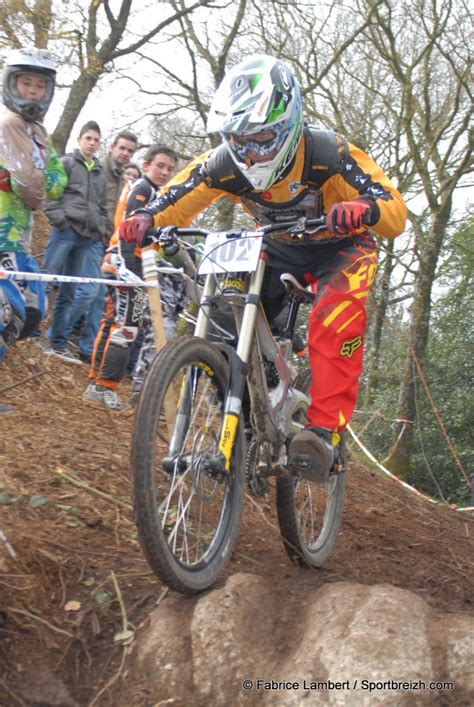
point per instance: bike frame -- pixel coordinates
(255, 340)
(272, 410)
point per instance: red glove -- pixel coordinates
(349, 216)
(134, 229)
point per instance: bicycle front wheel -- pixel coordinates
(187, 504)
(309, 514)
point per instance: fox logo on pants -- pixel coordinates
(348, 347)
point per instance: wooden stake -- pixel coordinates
(150, 276)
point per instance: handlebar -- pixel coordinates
(296, 229)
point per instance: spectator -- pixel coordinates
(120, 152)
(126, 309)
(30, 172)
(131, 172)
(88, 305)
(79, 220)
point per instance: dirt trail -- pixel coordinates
(73, 545)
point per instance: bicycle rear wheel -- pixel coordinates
(187, 505)
(309, 514)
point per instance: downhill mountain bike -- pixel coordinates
(216, 414)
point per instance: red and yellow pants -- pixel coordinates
(341, 274)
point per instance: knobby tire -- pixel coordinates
(309, 514)
(188, 519)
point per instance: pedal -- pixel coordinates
(303, 465)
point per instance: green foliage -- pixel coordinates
(448, 371)
(377, 418)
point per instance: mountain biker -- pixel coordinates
(30, 172)
(279, 169)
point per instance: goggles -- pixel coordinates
(262, 143)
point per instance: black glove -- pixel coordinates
(167, 239)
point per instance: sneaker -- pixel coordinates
(64, 354)
(312, 453)
(74, 342)
(44, 345)
(113, 402)
(107, 397)
(91, 394)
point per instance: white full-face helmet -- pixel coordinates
(28, 61)
(257, 110)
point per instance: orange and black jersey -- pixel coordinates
(141, 193)
(133, 197)
(193, 189)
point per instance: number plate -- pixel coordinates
(223, 255)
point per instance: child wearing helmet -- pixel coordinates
(30, 172)
(280, 169)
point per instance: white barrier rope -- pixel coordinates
(130, 279)
(386, 471)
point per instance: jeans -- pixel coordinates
(89, 301)
(66, 254)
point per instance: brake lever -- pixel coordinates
(299, 229)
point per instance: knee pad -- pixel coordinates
(12, 314)
(11, 321)
(123, 336)
(34, 295)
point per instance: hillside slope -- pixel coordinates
(78, 571)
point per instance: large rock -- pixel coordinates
(353, 633)
(165, 659)
(241, 619)
(349, 644)
(459, 646)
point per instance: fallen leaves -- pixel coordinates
(73, 605)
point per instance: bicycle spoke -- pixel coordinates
(309, 514)
(188, 494)
(187, 508)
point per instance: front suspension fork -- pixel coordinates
(238, 362)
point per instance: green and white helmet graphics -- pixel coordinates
(259, 94)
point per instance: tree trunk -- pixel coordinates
(419, 331)
(381, 301)
(78, 95)
(225, 214)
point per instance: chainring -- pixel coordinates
(258, 485)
